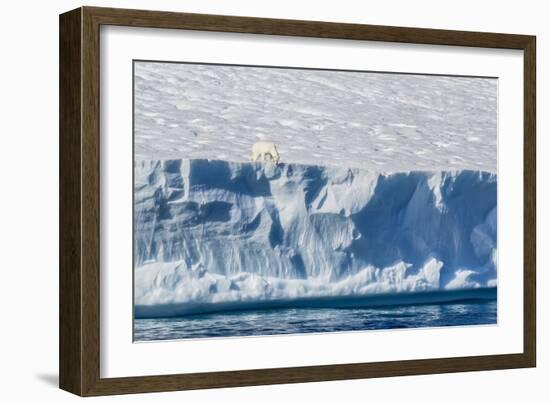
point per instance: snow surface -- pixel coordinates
(376, 121)
(216, 232)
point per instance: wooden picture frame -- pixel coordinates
(79, 347)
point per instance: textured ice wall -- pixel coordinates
(210, 231)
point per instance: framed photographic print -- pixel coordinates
(249, 201)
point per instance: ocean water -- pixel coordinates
(315, 320)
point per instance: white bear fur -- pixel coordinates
(263, 149)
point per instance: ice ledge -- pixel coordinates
(320, 225)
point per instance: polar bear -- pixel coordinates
(263, 149)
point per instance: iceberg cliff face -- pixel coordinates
(212, 231)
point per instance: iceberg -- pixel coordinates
(214, 235)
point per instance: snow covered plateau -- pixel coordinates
(376, 121)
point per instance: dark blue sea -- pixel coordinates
(315, 320)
